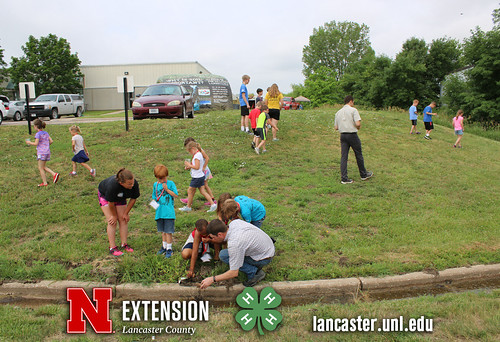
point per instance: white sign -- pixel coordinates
(31, 89)
(130, 83)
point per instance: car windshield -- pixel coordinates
(42, 98)
(287, 99)
(162, 90)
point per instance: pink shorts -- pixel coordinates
(104, 203)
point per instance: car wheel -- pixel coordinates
(17, 116)
(78, 112)
(54, 114)
(1, 118)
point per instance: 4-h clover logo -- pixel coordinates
(258, 312)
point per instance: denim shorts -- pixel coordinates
(165, 225)
(80, 157)
(197, 182)
(459, 132)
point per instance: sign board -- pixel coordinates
(209, 91)
(130, 83)
(31, 89)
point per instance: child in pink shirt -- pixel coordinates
(458, 125)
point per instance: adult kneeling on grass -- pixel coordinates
(248, 250)
(113, 193)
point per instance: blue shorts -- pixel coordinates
(459, 132)
(165, 225)
(197, 182)
(80, 157)
(188, 245)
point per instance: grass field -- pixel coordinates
(105, 113)
(428, 205)
(471, 316)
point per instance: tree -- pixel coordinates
(297, 90)
(455, 91)
(496, 19)
(334, 47)
(443, 58)
(407, 74)
(482, 101)
(49, 63)
(322, 87)
(419, 70)
(3, 70)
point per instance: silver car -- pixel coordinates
(3, 112)
(16, 109)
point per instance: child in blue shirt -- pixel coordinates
(414, 117)
(244, 106)
(164, 192)
(250, 209)
(428, 119)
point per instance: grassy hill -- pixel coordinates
(428, 205)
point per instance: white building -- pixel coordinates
(100, 81)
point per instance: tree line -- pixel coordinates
(48, 62)
(339, 60)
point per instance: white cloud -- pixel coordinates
(261, 38)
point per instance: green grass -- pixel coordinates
(104, 113)
(471, 316)
(428, 205)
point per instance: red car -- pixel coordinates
(289, 103)
(164, 100)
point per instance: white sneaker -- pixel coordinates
(206, 257)
(213, 207)
(186, 208)
(257, 150)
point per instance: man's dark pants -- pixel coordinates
(348, 140)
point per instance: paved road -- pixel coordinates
(68, 120)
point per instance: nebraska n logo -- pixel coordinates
(98, 315)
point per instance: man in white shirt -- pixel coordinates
(348, 122)
(248, 250)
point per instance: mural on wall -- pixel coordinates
(209, 91)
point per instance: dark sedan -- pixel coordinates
(164, 100)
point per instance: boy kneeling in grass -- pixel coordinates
(192, 248)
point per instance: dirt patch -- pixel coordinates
(337, 195)
(403, 257)
(204, 272)
(105, 268)
(484, 246)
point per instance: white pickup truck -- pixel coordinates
(55, 105)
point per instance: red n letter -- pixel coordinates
(98, 316)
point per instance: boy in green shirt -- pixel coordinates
(262, 119)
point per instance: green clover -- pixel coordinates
(258, 311)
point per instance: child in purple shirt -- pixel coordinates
(42, 143)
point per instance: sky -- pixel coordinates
(263, 39)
